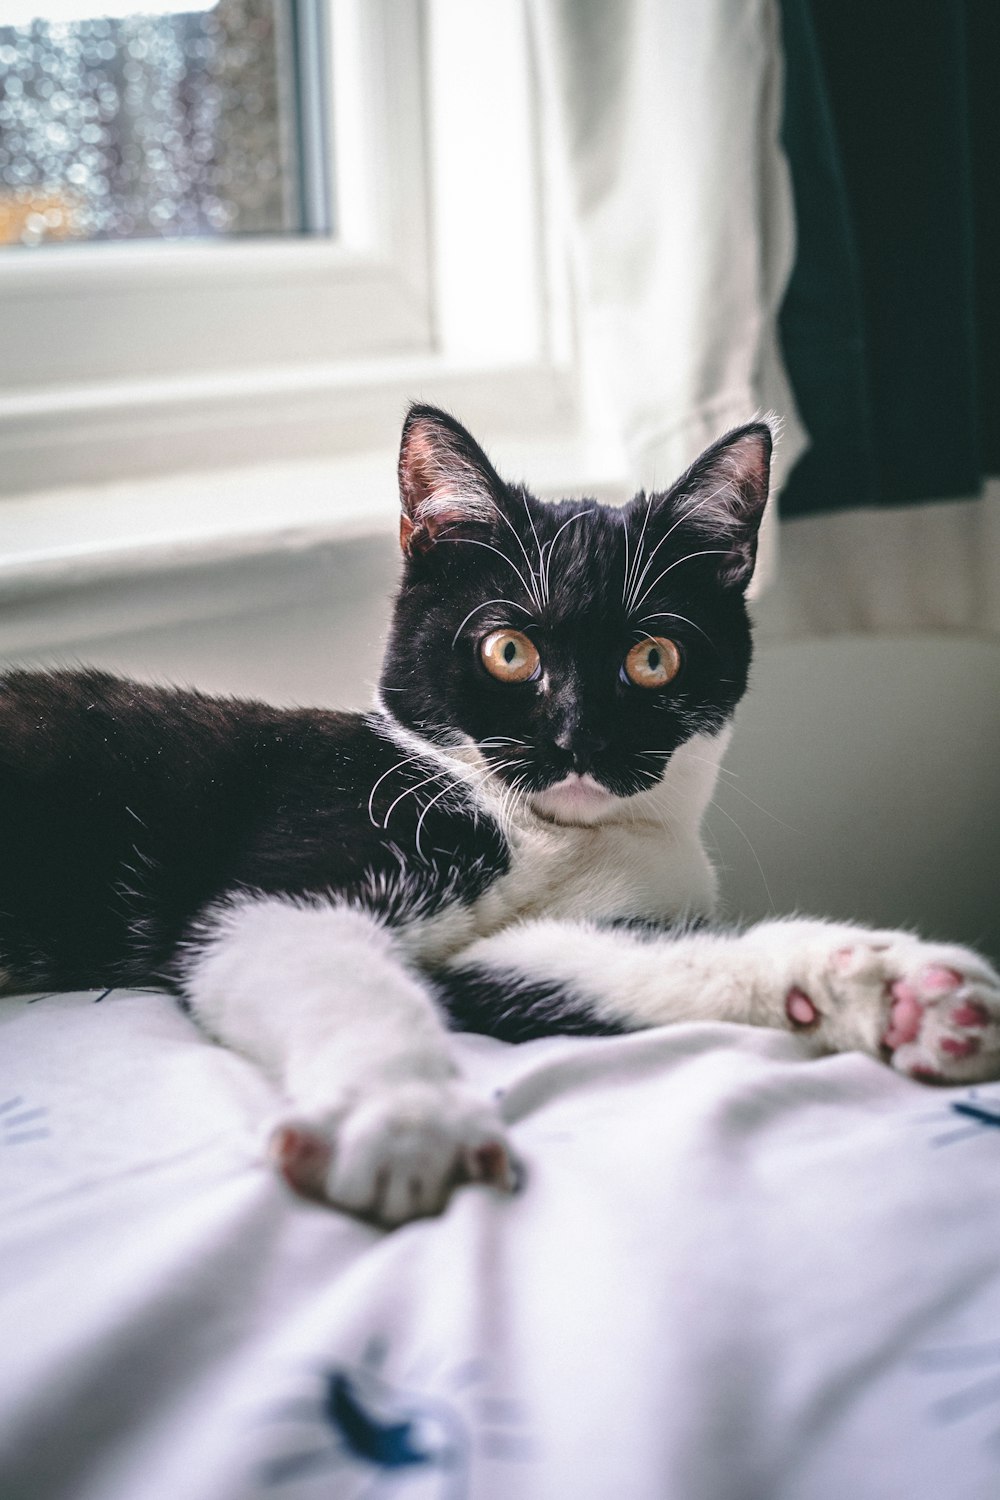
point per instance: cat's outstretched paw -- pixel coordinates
(944, 1022)
(397, 1154)
(931, 1010)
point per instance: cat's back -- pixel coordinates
(125, 806)
(49, 718)
(86, 755)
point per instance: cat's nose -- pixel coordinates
(581, 748)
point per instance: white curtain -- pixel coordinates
(667, 114)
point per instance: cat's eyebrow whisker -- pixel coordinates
(535, 586)
(552, 545)
(689, 557)
(625, 583)
(631, 571)
(468, 541)
(534, 533)
(485, 605)
(669, 614)
(705, 500)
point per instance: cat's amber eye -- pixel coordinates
(652, 663)
(509, 656)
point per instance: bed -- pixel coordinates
(730, 1273)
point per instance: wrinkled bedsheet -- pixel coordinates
(731, 1274)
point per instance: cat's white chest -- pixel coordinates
(576, 873)
(607, 871)
(652, 864)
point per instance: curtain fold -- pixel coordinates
(890, 326)
(669, 116)
(678, 122)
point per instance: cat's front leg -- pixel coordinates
(380, 1122)
(930, 1009)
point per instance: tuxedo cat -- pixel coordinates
(510, 842)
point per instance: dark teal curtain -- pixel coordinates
(891, 322)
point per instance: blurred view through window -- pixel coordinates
(144, 126)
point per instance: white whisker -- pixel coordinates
(447, 771)
(397, 767)
(667, 614)
(552, 545)
(625, 537)
(452, 786)
(538, 545)
(708, 552)
(536, 598)
(739, 830)
(468, 541)
(705, 500)
(485, 605)
(731, 787)
(627, 588)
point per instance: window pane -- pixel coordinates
(142, 126)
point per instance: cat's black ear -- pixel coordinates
(445, 479)
(722, 497)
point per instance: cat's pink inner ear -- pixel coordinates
(750, 459)
(735, 487)
(727, 494)
(437, 486)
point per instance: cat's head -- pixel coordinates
(578, 645)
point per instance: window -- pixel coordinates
(171, 125)
(279, 334)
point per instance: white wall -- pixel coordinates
(880, 757)
(865, 772)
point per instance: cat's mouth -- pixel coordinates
(575, 799)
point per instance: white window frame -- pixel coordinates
(444, 282)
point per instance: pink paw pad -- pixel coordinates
(302, 1157)
(799, 1009)
(969, 1013)
(959, 1047)
(905, 1017)
(937, 980)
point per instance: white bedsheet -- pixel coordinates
(732, 1274)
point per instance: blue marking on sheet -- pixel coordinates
(14, 1118)
(979, 1112)
(985, 1114)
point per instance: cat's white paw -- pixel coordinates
(930, 1009)
(398, 1153)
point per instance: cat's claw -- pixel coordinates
(398, 1154)
(940, 1006)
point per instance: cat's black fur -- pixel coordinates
(128, 810)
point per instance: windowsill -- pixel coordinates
(73, 536)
